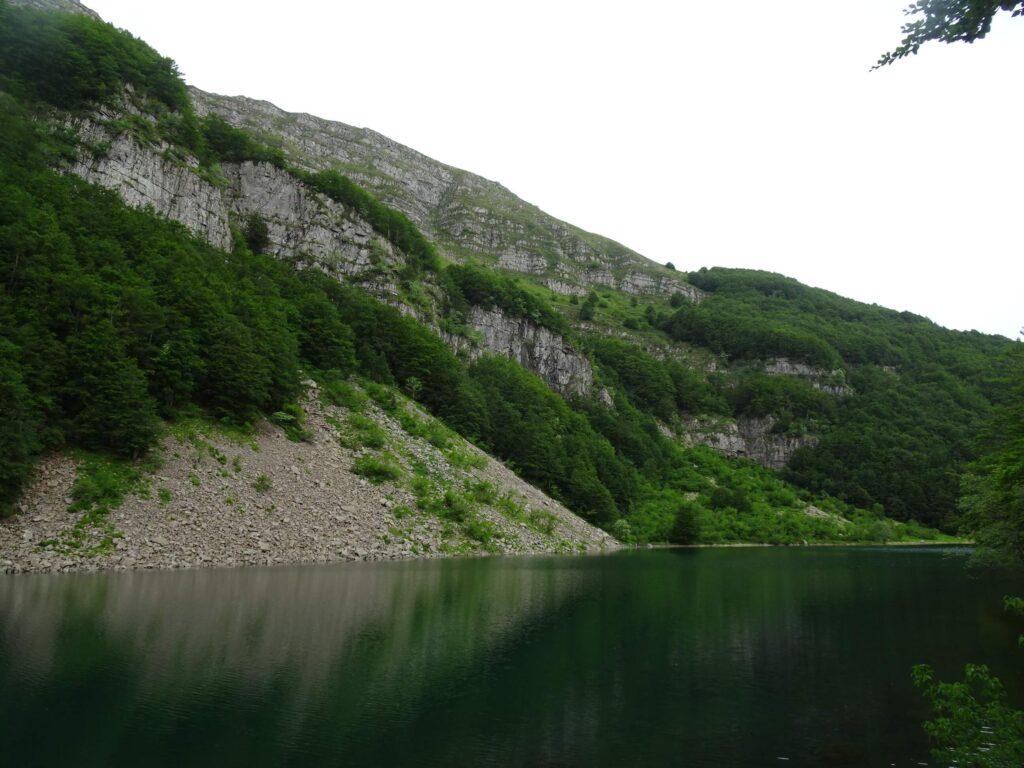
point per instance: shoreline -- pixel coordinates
(809, 545)
(102, 565)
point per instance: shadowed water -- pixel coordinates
(691, 658)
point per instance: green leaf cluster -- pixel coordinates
(947, 21)
(973, 725)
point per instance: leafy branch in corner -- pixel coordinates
(947, 21)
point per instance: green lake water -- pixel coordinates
(735, 657)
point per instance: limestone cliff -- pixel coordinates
(831, 381)
(67, 6)
(144, 176)
(565, 369)
(746, 438)
(303, 225)
(459, 210)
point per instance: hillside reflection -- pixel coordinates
(690, 658)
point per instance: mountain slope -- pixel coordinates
(467, 215)
(760, 367)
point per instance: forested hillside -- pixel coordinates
(919, 391)
(115, 322)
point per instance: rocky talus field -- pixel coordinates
(220, 499)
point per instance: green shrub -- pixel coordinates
(382, 395)
(336, 391)
(292, 419)
(377, 469)
(465, 459)
(364, 432)
(542, 521)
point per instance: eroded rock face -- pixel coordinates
(832, 382)
(450, 205)
(519, 261)
(747, 438)
(534, 347)
(144, 177)
(641, 283)
(67, 6)
(304, 225)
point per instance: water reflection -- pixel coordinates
(681, 658)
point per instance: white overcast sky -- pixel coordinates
(743, 133)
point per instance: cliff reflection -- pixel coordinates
(661, 658)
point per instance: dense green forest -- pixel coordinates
(920, 391)
(113, 321)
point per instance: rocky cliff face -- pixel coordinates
(536, 348)
(67, 6)
(746, 438)
(303, 225)
(459, 210)
(143, 176)
(832, 382)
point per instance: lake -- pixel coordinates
(684, 657)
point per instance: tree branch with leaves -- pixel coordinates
(947, 21)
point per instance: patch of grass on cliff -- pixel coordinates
(429, 429)
(195, 428)
(515, 508)
(458, 509)
(382, 395)
(336, 391)
(615, 309)
(292, 419)
(465, 459)
(378, 469)
(360, 431)
(101, 485)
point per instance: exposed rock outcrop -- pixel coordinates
(303, 225)
(67, 6)
(453, 206)
(747, 438)
(538, 349)
(144, 176)
(833, 382)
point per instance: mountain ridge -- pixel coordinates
(457, 207)
(867, 404)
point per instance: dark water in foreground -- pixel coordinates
(688, 658)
